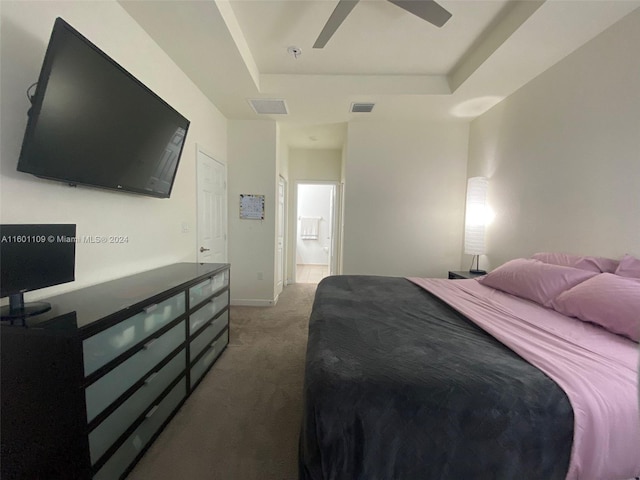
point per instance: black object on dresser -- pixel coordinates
(88, 386)
(462, 274)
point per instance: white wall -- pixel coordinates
(563, 154)
(314, 201)
(404, 198)
(315, 164)
(153, 226)
(283, 156)
(252, 152)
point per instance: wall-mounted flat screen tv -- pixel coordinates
(93, 123)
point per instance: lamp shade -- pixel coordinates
(476, 216)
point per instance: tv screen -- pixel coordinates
(93, 123)
(33, 257)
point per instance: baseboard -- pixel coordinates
(242, 302)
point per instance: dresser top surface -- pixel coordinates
(80, 309)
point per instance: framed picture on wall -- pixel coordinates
(251, 206)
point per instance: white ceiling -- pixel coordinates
(376, 38)
(236, 50)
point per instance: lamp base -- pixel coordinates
(476, 271)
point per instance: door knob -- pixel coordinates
(202, 249)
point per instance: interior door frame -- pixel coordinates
(336, 229)
(283, 219)
(200, 149)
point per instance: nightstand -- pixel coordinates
(457, 275)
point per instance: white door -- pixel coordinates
(280, 239)
(336, 229)
(212, 209)
(332, 231)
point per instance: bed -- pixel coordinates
(412, 379)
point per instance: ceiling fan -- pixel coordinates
(427, 10)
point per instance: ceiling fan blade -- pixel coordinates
(341, 11)
(427, 10)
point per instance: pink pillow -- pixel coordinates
(534, 280)
(611, 301)
(593, 264)
(629, 267)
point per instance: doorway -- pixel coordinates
(316, 231)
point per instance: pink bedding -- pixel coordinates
(597, 370)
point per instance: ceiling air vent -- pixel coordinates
(362, 107)
(268, 106)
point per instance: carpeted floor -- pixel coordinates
(242, 421)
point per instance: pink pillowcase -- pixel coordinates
(629, 267)
(611, 301)
(534, 280)
(593, 264)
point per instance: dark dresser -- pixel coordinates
(88, 386)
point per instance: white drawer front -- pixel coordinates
(205, 338)
(207, 312)
(103, 436)
(208, 287)
(212, 354)
(129, 450)
(104, 391)
(105, 346)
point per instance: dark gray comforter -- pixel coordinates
(398, 385)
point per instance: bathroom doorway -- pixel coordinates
(316, 231)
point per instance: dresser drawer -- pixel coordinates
(208, 287)
(105, 434)
(205, 313)
(129, 450)
(204, 339)
(103, 347)
(108, 388)
(215, 349)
